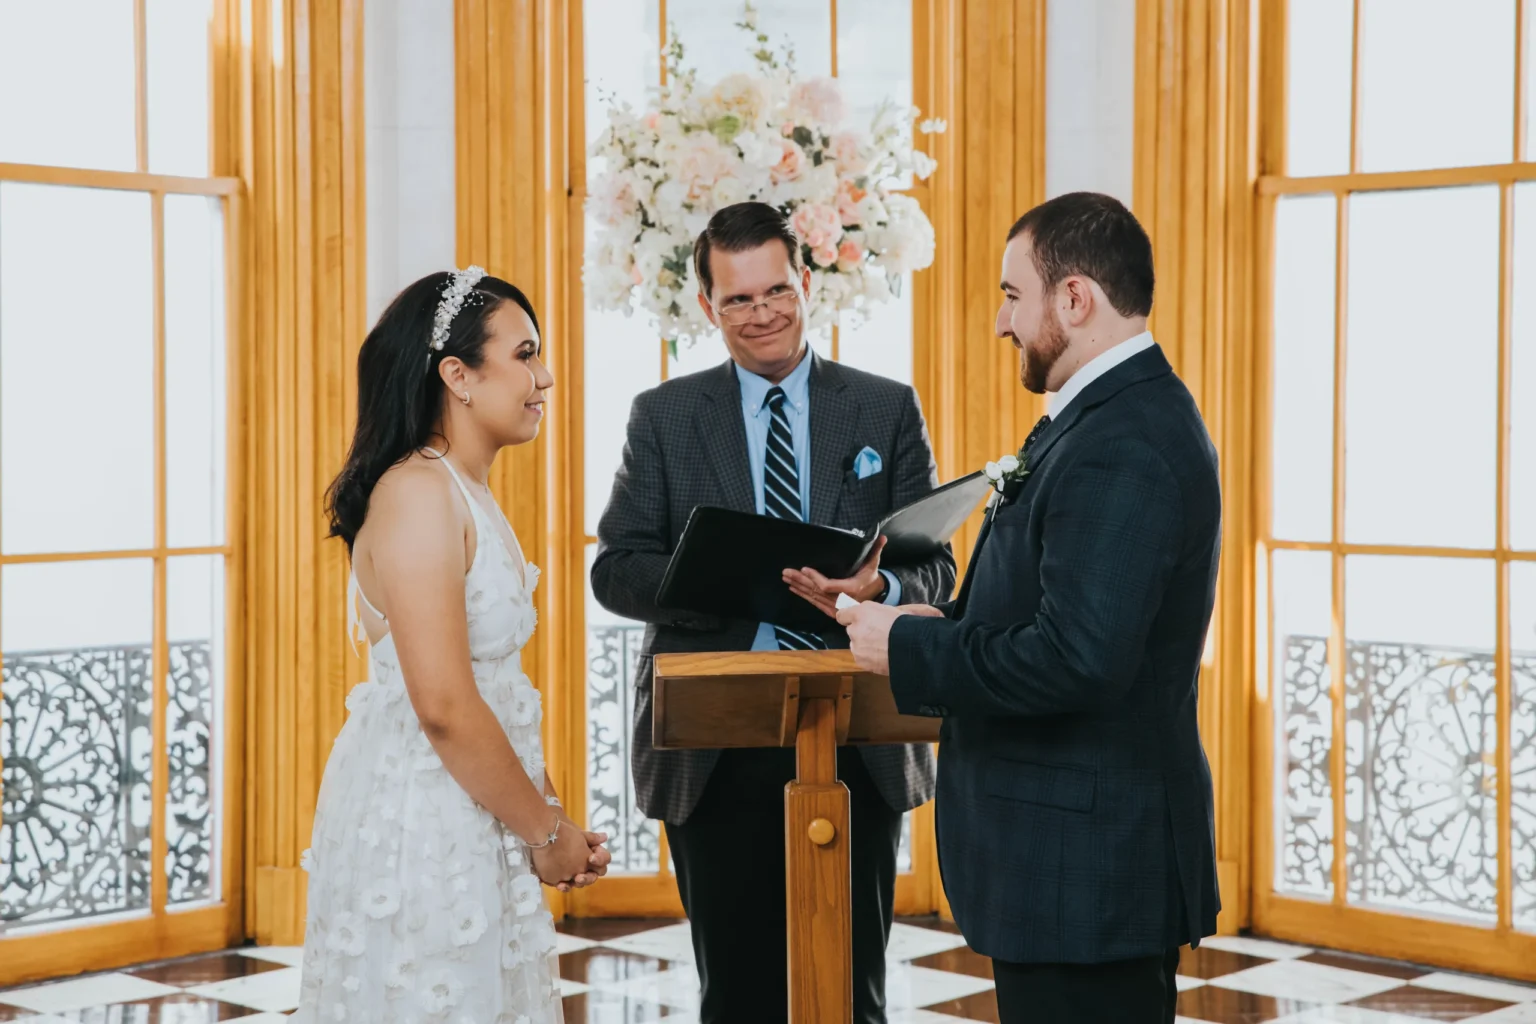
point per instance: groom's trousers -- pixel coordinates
(730, 873)
(1140, 991)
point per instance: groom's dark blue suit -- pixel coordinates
(1075, 821)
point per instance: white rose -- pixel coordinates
(696, 220)
(670, 196)
(923, 165)
(820, 184)
(728, 191)
(1008, 463)
(870, 210)
(994, 471)
(906, 242)
(876, 288)
(758, 152)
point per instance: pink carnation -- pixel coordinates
(791, 164)
(849, 255)
(613, 199)
(818, 226)
(819, 99)
(845, 151)
(849, 196)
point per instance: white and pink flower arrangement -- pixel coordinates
(770, 136)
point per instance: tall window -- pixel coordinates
(871, 53)
(114, 474)
(1401, 515)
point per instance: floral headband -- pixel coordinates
(458, 289)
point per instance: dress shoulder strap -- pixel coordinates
(458, 480)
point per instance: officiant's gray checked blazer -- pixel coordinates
(687, 446)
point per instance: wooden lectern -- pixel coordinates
(813, 701)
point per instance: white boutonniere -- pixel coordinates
(1007, 476)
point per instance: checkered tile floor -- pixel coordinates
(618, 972)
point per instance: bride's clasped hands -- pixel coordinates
(574, 860)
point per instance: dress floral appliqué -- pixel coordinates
(422, 907)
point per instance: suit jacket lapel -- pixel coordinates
(723, 435)
(1142, 366)
(834, 416)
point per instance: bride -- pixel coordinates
(436, 824)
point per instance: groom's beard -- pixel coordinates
(1037, 357)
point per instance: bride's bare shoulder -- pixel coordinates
(418, 490)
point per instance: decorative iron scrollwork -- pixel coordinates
(76, 735)
(1421, 780)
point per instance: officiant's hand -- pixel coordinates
(866, 584)
(869, 633)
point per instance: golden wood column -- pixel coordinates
(301, 160)
(983, 62)
(980, 65)
(512, 181)
(1195, 175)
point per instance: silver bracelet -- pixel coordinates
(548, 840)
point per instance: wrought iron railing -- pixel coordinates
(1421, 785)
(613, 652)
(76, 735)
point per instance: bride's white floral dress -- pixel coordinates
(422, 906)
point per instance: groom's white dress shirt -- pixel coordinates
(1095, 368)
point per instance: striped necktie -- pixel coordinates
(781, 499)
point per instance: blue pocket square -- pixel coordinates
(867, 463)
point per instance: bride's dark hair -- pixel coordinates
(399, 391)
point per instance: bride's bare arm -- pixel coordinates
(416, 548)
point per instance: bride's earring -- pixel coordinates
(464, 397)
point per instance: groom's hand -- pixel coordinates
(866, 584)
(869, 633)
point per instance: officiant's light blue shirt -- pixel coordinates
(755, 411)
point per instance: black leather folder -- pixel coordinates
(731, 563)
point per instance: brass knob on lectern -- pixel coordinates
(821, 832)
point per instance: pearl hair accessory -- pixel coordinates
(455, 293)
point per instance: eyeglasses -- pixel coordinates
(738, 313)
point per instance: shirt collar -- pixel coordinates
(797, 386)
(1095, 368)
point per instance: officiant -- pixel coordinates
(780, 432)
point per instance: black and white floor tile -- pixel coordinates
(624, 972)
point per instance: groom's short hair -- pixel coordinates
(1094, 235)
(737, 228)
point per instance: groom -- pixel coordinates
(1075, 820)
(781, 432)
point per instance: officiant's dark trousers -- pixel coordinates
(1140, 991)
(730, 874)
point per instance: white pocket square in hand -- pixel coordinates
(867, 463)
